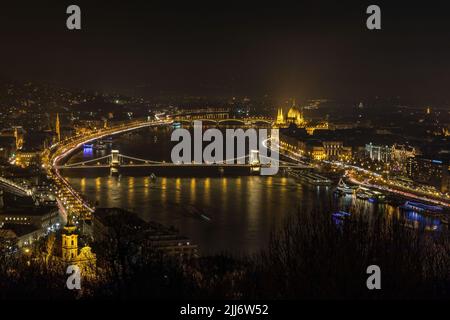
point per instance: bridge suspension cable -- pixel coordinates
(138, 159)
(86, 162)
(264, 160)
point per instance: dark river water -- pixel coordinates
(220, 213)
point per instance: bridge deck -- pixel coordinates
(180, 166)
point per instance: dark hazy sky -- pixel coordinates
(302, 48)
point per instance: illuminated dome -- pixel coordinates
(293, 112)
(294, 115)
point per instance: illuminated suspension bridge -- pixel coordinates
(116, 160)
(71, 202)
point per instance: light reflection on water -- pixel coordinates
(229, 213)
(242, 210)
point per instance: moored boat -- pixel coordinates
(311, 178)
(421, 207)
(369, 195)
(344, 189)
(341, 215)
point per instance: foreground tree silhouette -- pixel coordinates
(310, 257)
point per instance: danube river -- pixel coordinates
(220, 213)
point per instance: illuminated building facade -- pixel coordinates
(446, 132)
(319, 126)
(379, 153)
(41, 217)
(315, 150)
(69, 249)
(402, 153)
(333, 149)
(21, 235)
(295, 116)
(26, 158)
(430, 171)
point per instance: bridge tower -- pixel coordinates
(254, 157)
(254, 161)
(115, 162)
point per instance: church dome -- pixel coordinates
(293, 113)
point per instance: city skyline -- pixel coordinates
(216, 155)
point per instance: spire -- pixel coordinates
(299, 119)
(280, 116)
(16, 136)
(70, 227)
(58, 127)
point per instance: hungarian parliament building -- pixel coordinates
(295, 116)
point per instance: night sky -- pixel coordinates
(297, 48)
